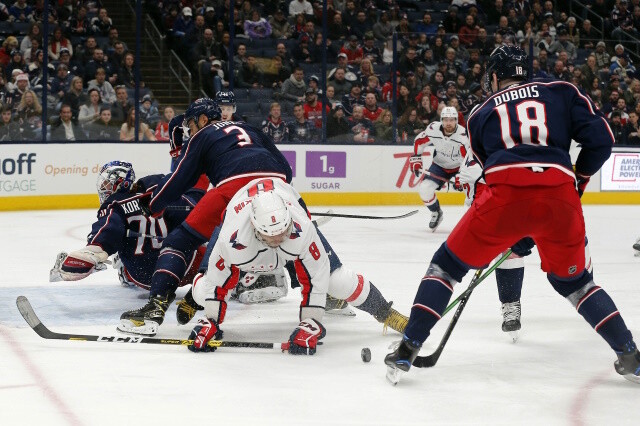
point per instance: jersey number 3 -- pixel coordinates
(531, 115)
(243, 138)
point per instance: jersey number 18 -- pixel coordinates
(530, 115)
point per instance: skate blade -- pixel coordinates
(515, 335)
(632, 378)
(394, 374)
(345, 312)
(636, 253)
(148, 329)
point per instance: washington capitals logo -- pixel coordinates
(297, 229)
(236, 245)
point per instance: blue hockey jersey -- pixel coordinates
(223, 151)
(532, 125)
(121, 212)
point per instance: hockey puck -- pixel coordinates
(365, 354)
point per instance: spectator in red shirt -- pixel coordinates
(371, 109)
(469, 31)
(353, 51)
(313, 108)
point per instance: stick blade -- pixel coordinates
(26, 310)
(425, 361)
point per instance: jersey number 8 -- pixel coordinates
(530, 115)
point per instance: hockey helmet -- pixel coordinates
(449, 112)
(178, 134)
(206, 106)
(506, 61)
(226, 97)
(115, 176)
(270, 217)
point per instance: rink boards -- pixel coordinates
(59, 176)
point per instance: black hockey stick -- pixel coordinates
(327, 214)
(34, 322)
(431, 360)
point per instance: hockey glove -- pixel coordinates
(457, 185)
(523, 247)
(582, 182)
(202, 333)
(304, 339)
(415, 162)
(79, 264)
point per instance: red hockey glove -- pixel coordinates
(582, 182)
(415, 162)
(202, 333)
(304, 339)
(457, 185)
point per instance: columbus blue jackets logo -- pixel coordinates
(234, 243)
(297, 229)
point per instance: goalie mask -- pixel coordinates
(115, 176)
(271, 218)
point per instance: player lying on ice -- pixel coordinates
(521, 136)
(265, 225)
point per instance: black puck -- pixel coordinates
(365, 354)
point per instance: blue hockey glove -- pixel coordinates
(582, 182)
(202, 333)
(523, 247)
(304, 339)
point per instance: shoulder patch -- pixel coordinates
(234, 243)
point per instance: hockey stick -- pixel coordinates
(27, 312)
(431, 360)
(327, 214)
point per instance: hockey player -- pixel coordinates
(266, 225)
(446, 143)
(231, 154)
(226, 100)
(521, 137)
(119, 214)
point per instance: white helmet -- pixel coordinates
(269, 214)
(449, 112)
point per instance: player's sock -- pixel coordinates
(509, 284)
(377, 305)
(170, 268)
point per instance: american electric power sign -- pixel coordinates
(621, 172)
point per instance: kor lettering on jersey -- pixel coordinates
(131, 206)
(517, 93)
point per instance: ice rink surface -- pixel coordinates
(559, 373)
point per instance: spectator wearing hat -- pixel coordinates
(404, 28)
(622, 67)
(340, 83)
(294, 88)
(65, 128)
(101, 24)
(62, 81)
(351, 99)
(563, 44)
(342, 63)
(336, 30)
(149, 113)
(370, 50)
(451, 92)
(462, 54)
(452, 23)
(103, 128)
(301, 130)
(313, 109)
(20, 11)
(301, 51)
(337, 124)
(353, 51)
(90, 111)
(182, 26)
(16, 63)
(314, 83)
(412, 84)
(382, 29)
(617, 128)
(280, 26)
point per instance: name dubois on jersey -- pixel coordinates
(517, 93)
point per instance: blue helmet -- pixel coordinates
(115, 176)
(506, 61)
(177, 135)
(206, 106)
(225, 97)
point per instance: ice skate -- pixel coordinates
(628, 363)
(187, 308)
(436, 219)
(146, 320)
(511, 319)
(399, 361)
(391, 319)
(339, 307)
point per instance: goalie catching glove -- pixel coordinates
(79, 264)
(415, 162)
(202, 333)
(304, 339)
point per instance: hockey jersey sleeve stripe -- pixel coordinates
(305, 280)
(105, 226)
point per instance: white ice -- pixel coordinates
(559, 373)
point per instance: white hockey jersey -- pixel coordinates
(446, 151)
(470, 175)
(237, 249)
